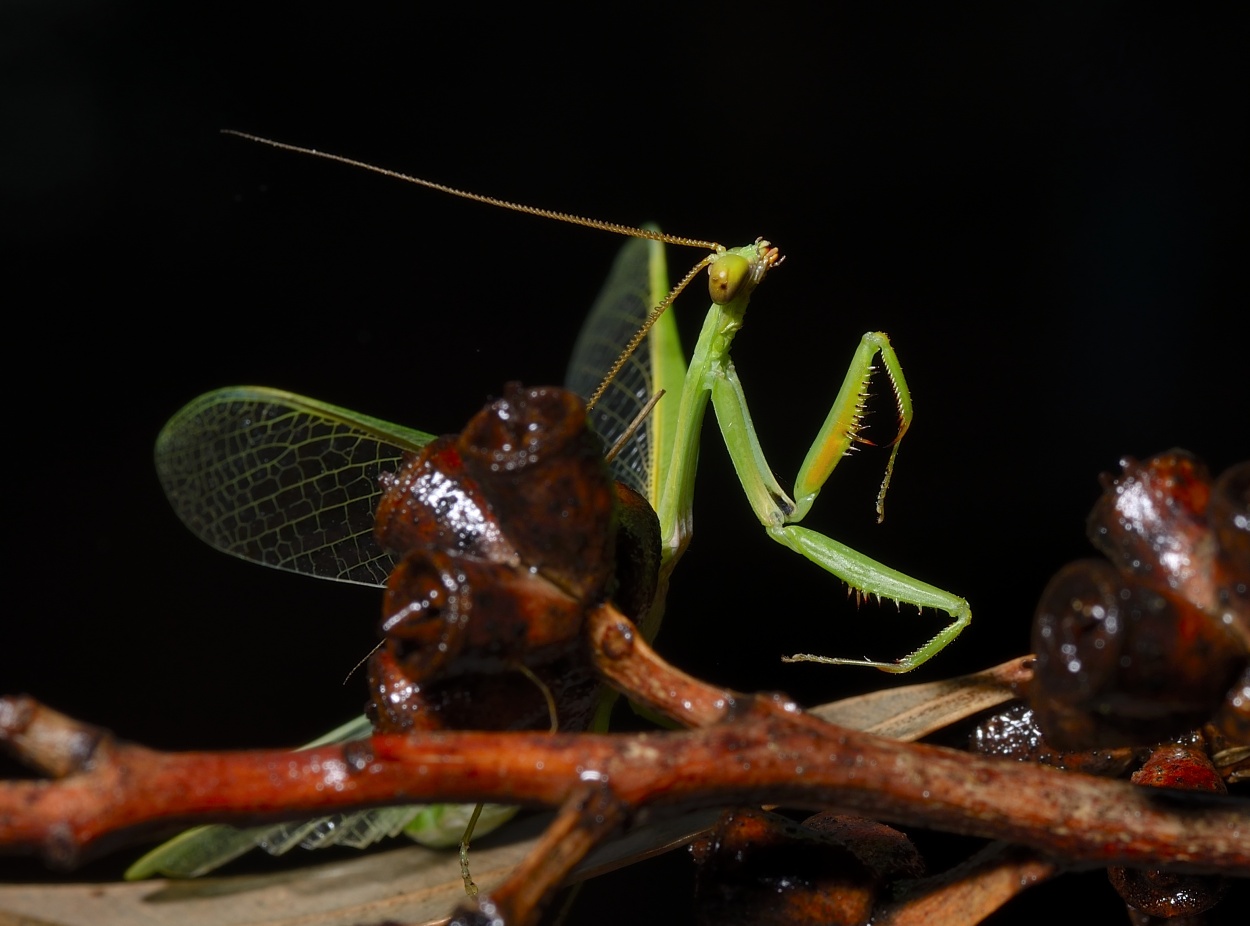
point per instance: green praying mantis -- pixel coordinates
(291, 482)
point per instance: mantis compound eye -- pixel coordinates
(726, 275)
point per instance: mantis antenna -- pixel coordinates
(614, 227)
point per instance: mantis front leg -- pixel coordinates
(780, 514)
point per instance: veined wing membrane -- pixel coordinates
(290, 482)
(283, 480)
(637, 283)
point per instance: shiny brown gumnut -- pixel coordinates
(523, 483)
(760, 868)
(432, 504)
(457, 617)
(1162, 521)
(502, 700)
(506, 532)
(1121, 664)
(1151, 520)
(1164, 893)
(452, 614)
(543, 473)
(1229, 514)
(1230, 511)
(1014, 733)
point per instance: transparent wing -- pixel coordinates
(438, 826)
(290, 482)
(282, 480)
(637, 283)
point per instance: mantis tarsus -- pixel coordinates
(290, 482)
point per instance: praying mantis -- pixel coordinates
(291, 482)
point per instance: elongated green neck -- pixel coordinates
(709, 357)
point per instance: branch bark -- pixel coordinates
(771, 752)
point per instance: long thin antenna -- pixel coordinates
(613, 227)
(633, 426)
(652, 317)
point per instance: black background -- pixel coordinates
(1046, 210)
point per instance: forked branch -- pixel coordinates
(751, 749)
